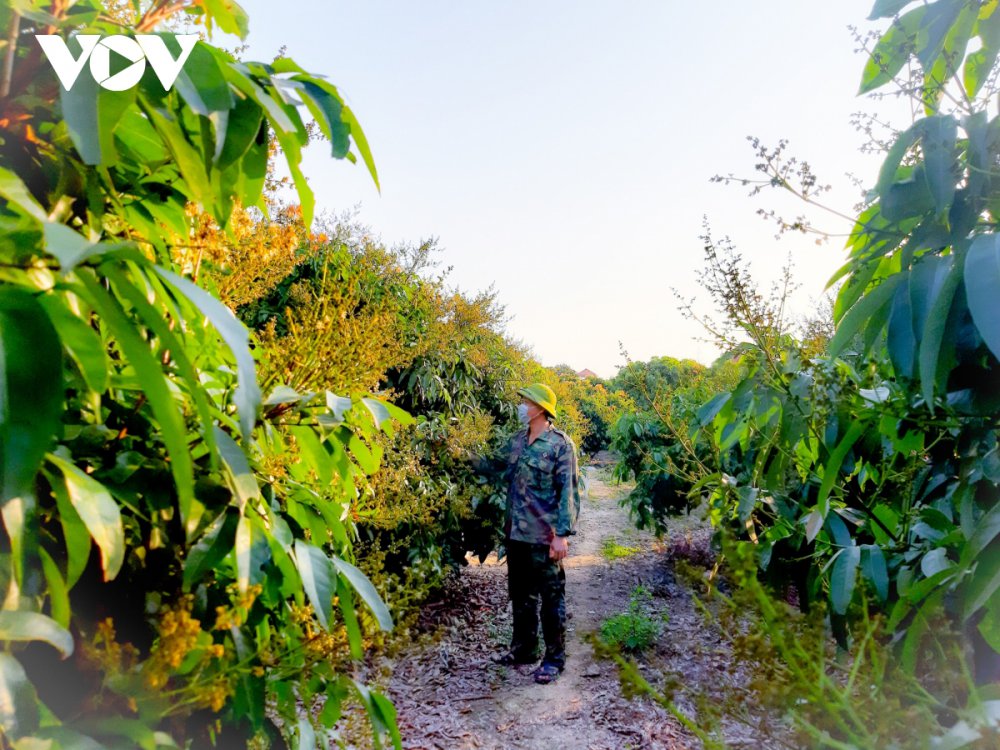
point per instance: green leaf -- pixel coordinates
(939, 20)
(253, 170)
(985, 580)
(865, 312)
(986, 531)
(251, 550)
(305, 735)
(326, 107)
(189, 160)
(217, 542)
(82, 342)
(234, 333)
(989, 625)
(75, 533)
(67, 739)
(837, 529)
(317, 579)
(229, 15)
(92, 113)
(282, 394)
(202, 84)
(239, 475)
(31, 389)
(378, 410)
(958, 29)
(977, 156)
(15, 191)
(908, 199)
(346, 601)
(979, 64)
(312, 451)
(244, 80)
(150, 373)
(291, 146)
(338, 405)
(169, 341)
(938, 145)
(938, 298)
(831, 470)
(900, 341)
(362, 143)
(241, 132)
(813, 523)
(99, 513)
(367, 591)
(982, 279)
(138, 140)
(892, 51)
(843, 578)
(381, 713)
(890, 166)
(33, 626)
(387, 715)
(875, 570)
(748, 501)
(18, 702)
(56, 590)
(67, 246)
(137, 732)
(935, 562)
(708, 411)
(367, 458)
(400, 415)
(331, 712)
(887, 8)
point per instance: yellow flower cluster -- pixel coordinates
(320, 645)
(250, 259)
(178, 637)
(104, 652)
(214, 694)
(329, 647)
(236, 614)
(304, 617)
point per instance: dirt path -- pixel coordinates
(449, 695)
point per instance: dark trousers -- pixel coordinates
(532, 576)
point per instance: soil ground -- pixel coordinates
(449, 695)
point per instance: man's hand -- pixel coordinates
(558, 548)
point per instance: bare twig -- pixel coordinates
(8, 58)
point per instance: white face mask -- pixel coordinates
(522, 414)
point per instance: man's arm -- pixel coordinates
(567, 487)
(491, 464)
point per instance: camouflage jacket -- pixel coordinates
(543, 495)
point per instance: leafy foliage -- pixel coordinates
(862, 471)
(637, 628)
(864, 699)
(184, 540)
(653, 443)
(601, 405)
(334, 309)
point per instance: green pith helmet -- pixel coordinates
(542, 395)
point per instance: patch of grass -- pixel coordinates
(637, 628)
(612, 550)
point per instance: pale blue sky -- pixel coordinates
(562, 150)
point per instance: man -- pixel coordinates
(543, 503)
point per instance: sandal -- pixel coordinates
(511, 658)
(546, 673)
